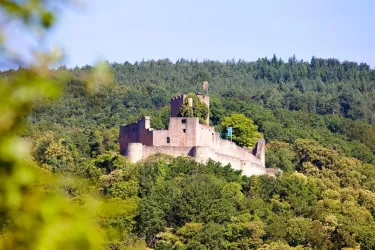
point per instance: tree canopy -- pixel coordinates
(199, 109)
(323, 200)
(245, 132)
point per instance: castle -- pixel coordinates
(186, 136)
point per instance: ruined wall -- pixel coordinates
(183, 131)
(134, 151)
(139, 131)
(273, 171)
(250, 168)
(203, 154)
(230, 148)
(206, 136)
(206, 100)
(260, 151)
(176, 131)
(145, 132)
(174, 151)
(160, 137)
(176, 103)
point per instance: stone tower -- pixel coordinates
(178, 101)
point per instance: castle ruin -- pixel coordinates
(187, 137)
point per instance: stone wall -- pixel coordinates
(139, 131)
(206, 100)
(160, 137)
(206, 135)
(136, 152)
(248, 167)
(208, 138)
(183, 131)
(260, 151)
(174, 151)
(176, 103)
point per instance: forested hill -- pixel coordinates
(324, 100)
(317, 118)
(324, 86)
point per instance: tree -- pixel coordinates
(199, 109)
(280, 155)
(33, 213)
(245, 132)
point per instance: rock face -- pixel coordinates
(187, 137)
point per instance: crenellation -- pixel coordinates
(176, 104)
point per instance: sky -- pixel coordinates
(121, 30)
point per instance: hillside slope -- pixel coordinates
(317, 118)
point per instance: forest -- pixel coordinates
(64, 185)
(316, 117)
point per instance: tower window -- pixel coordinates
(184, 130)
(168, 140)
(183, 121)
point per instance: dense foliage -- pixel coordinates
(324, 199)
(74, 190)
(193, 206)
(244, 131)
(324, 86)
(198, 108)
(34, 213)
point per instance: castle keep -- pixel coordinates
(186, 136)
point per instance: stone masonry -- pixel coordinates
(187, 137)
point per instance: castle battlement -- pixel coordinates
(186, 136)
(178, 97)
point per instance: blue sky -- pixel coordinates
(118, 30)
